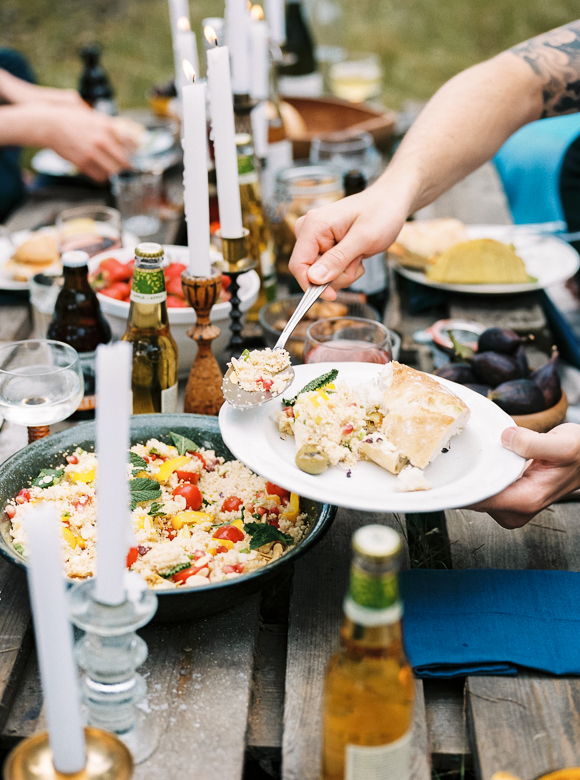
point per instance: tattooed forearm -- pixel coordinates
(555, 58)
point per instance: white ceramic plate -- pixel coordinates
(547, 258)
(130, 241)
(475, 467)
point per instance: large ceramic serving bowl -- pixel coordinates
(180, 320)
(185, 603)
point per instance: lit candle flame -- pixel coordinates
(249, 5)
(188, 70)
(257, 12)
(210, 35)
(183, 24)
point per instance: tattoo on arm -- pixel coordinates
(555, 58)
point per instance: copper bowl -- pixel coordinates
(542, 422)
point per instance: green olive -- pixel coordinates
(312, 460)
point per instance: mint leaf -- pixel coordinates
(183, 444)
(137, 461)
(316, 384)
(19, 548)
(263, 533)
(156, 510)
(143, 489)
(175, 569)
(48, 478)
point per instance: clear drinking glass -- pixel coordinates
(138, 197)
(93, 229)
(354, 153)
(41, 383)
(357, 78)
(347, 340)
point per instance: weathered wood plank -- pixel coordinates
(446, 716)
(267, 709)
(199, 676)
(313, 635)
(15, 323)
(526, 725)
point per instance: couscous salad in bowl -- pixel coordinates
(208, 532)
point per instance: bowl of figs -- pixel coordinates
(499, 369)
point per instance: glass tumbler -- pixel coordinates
(347, 340)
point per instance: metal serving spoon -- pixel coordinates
(243, 399)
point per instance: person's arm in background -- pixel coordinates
(61, 120)
(461, 127)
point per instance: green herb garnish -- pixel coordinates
(316, 384)
(48, 478)
(246, 550)
(137, 461)
(183, 444)
(175, 569)
(156, 510)
(19, 548)
(143, 489)
(256, 516)
(245, 354)
(263, 533)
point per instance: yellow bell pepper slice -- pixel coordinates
(274, 498)
(189, 517)
(81, 542)
(239, 523)
(70, 537)
(292, 511)
(82, 476)
(169, 467)
(215, 544)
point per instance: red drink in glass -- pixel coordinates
(347, 340)
(345, 351)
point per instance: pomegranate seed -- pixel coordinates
(10, 511)
(72, 459)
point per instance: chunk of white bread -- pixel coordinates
(421, 415)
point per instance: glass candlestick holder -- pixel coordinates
(236, 263)
(110, 652)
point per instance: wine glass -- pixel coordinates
(93, 229)
(347, 340)
(41, 382)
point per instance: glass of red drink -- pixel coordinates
(347, 340)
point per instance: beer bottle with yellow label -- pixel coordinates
(369, 687)
(154, 374)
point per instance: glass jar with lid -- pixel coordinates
(298, 190)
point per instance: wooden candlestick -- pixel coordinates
(236, 263)
(203, 394)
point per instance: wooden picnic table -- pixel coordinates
(238, 694)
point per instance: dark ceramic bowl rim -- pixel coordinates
(318, 527)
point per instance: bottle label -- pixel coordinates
(148, 286)
(384, 762)
(247, 174)
(373, 600)
(169, 400)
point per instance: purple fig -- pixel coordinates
(481, 389)
(501, 340)
(456, 372)
(493, 368)
(548, 380)
(519, 396)
(522, 360)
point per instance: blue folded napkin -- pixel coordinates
(491, 622)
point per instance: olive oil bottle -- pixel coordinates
(369, 687)
(154, 374)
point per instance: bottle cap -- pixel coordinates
(354, 181)
(75, 258)
(149, 249)
(377, 543)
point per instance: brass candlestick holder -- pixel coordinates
(107, 759)
(203, 394)
(236, 263)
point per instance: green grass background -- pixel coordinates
(422, 43)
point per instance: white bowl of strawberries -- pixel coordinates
(111, 273)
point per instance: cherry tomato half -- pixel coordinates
(184, 574)
(191, 494)
(132, 556)
(229, 532)
(232, 504)
(266, 383)
(238, 568)
(276, 490)
(199, 457)
(188, 476)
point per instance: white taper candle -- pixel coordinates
(196, 195)
(54, 640)
(112, 444)
(224, 141)
(238, 41)
(276, 20)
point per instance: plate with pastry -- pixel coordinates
(378, 438)
(481, 259)
(25, 253)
